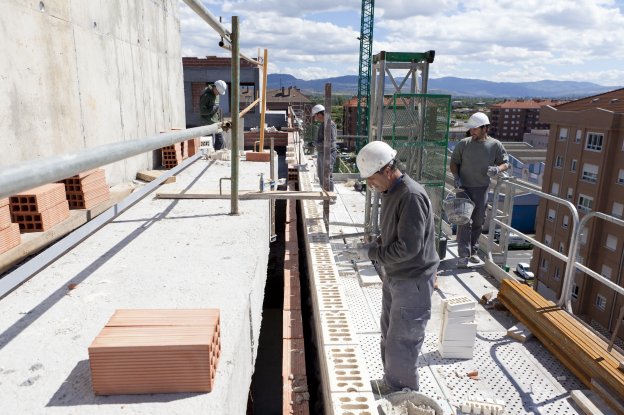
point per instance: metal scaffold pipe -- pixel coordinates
(33, 173)
(209, 18)
(235, 93)
(264, 104)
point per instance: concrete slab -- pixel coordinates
(158, 254)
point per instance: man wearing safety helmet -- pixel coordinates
(475, 159)
(318, 113)
(407, 251)
(209, 108)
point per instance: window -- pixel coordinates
(561, 247)
(551, 214)
(575, 291)
(590, 173)
(601, 302)
(579, 133)
(565, 222)
(606, 271)
(544, 264)
(585, 203)
(620, 179)
(618, 210)
(554, 190)
(557, 274)
(563, 134)
(548, 240)
(559, 162)
(594, 141)
(570, 194)
(611, 242)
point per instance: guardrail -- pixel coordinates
(578, 225)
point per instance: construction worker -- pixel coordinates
(318, 113)
(406, 250)
(474, 161)
(209, 108)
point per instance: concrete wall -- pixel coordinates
(78, 74)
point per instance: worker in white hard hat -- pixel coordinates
(209, 108)
(474, 161)
(406, 250)
(318, 113)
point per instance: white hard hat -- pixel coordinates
(373, 156)
(221, 87)
(478, 119)
(317, 108)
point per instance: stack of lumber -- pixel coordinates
(567, 338)
(156, 351)
(9, 232)
(39, 209)
(458, 330)
(87, 189)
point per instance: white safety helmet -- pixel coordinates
(317, 108)
(221, 87)
(373, 156)
(478, 119)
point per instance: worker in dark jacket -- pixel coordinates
(318, 112)
(209, 108)
(407, 251)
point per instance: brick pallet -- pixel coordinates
(86, 190)
(9, 237)
(575, 345)
(156, 351)
(39, 209)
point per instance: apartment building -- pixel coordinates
(585, 165)
(510, 120)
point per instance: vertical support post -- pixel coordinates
(264, 92)
(273, 186)
(327, 152)
(235, 108)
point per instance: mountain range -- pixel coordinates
(457, 87)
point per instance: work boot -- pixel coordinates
(462, 263)
(474, 258)
(381, 388)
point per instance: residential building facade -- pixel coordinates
(510, 120)
(584, 165)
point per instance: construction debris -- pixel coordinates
(409, 403)
(479, 405)
(519, 332)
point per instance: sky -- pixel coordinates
(495, 40)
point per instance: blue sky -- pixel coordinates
(497, 40)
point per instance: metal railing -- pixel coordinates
(504, 221)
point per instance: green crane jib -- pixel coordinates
(366, 48)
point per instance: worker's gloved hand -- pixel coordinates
(458, 182)
(359, 252)
(492, 171)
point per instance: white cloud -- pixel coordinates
(496, 40)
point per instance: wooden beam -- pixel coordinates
(249, 195)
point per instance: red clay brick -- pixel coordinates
(5, 217)
(262, 157)
(4, 202)
(38, 199)
(156, 351)
(41, 221)
(10, 237)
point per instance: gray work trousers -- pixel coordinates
(405, 311)
(320, 165)
(468, 235)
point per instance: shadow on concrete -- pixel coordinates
(77, 390)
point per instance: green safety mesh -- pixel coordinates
(417, 126)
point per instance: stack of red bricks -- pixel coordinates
(9, 232)
(87, 189)
(39, 209)
(156, 351)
